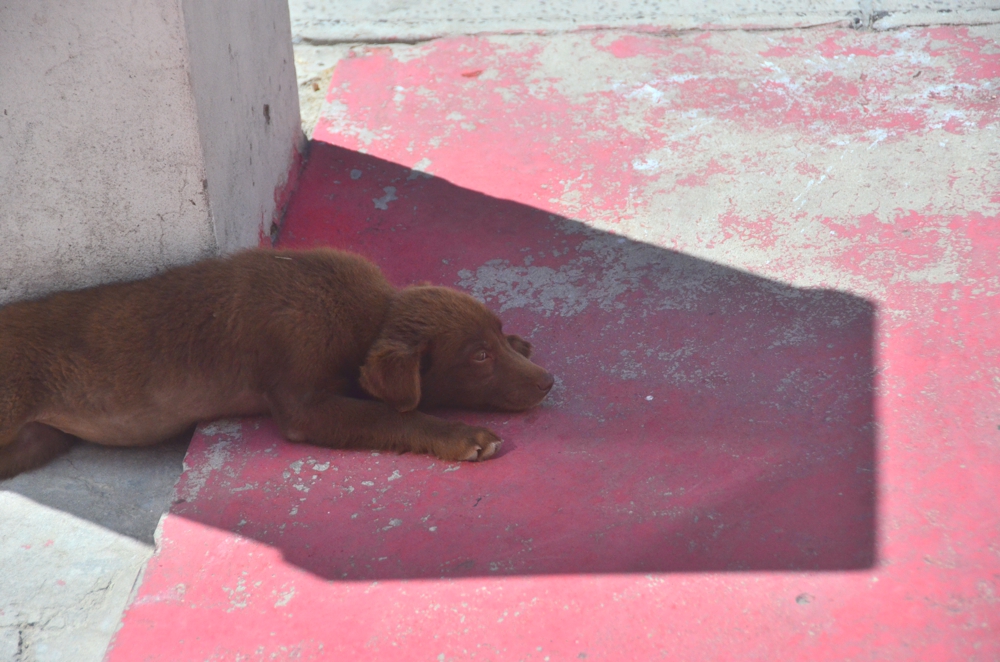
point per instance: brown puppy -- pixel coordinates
(318, 339)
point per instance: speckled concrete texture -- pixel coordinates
(76, 535)
(64, 584)
(763, 266)
(345, 21)
(313, 69)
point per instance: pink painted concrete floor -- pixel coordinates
(763, 266)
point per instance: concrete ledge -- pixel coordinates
(890, 15)
(335, 21)
(328, 22)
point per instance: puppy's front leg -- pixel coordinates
(336, 421)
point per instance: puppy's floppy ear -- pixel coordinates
(520, 345)
(391, 373)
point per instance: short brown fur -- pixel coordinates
(318, 339)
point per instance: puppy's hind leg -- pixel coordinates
(32, 446)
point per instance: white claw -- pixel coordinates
(491, 448)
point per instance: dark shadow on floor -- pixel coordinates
(125, 490)
(705, 418)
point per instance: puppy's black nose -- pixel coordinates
(546, 382)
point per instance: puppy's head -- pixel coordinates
(442, 348)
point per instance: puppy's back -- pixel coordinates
(231, 320)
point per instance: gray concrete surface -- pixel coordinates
(100, 161)
(338, 21)
(314, 68)
(64, 584)
(76, 535)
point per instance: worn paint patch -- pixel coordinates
(734, 147)
(198, 470)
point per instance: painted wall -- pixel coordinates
(125, 138)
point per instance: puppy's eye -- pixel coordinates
(480, 356)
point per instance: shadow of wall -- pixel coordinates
(125, 490)
(704, 418)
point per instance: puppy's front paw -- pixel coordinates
(469, 444)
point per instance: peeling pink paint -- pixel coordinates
(765, 270)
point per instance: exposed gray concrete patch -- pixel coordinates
(313, 69)
(345, 21)
(367, 20)
(125, 490)
(10, 643)
(64, 585)
(887, 14)
(226, 432)
(89, 519)
(605, 268)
